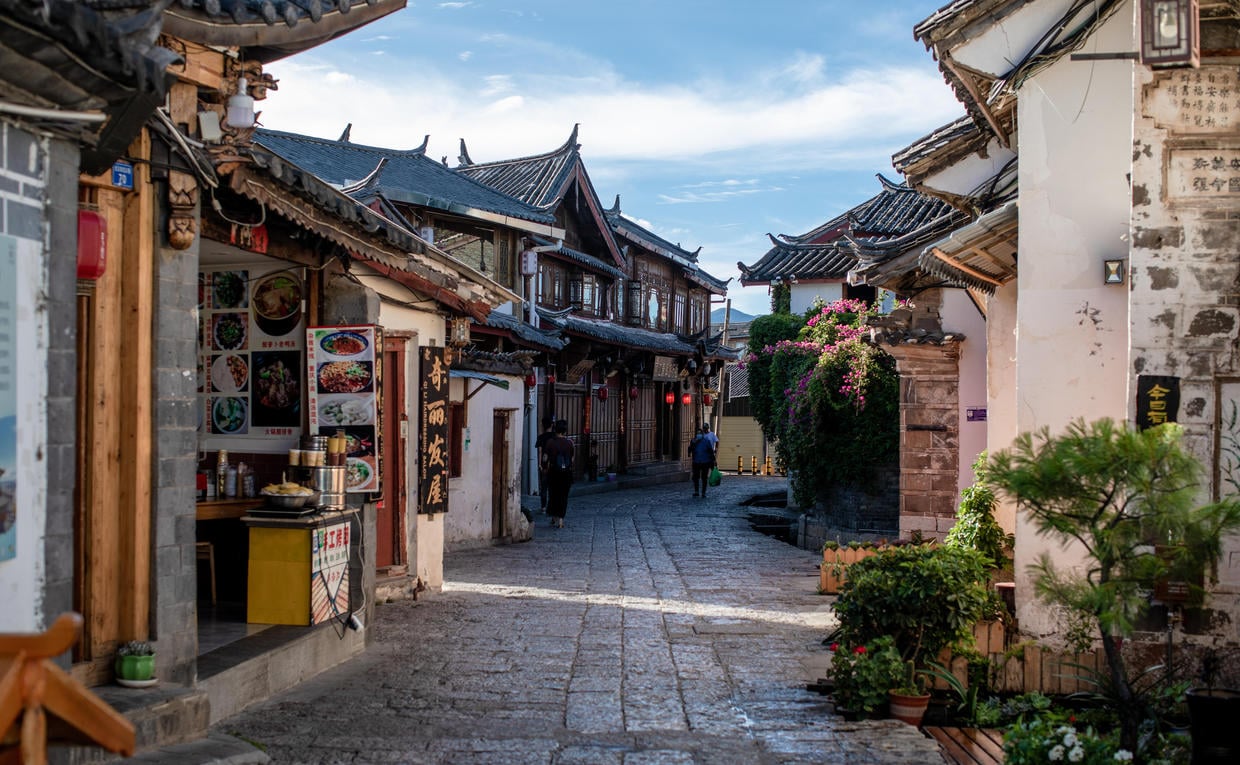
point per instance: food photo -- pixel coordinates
(277, 304)
(345, 376)
(230, 331)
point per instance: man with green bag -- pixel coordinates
(703, 453)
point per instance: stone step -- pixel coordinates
(215, 749)
(162, 715)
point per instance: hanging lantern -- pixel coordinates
(686, 399)
(633, 392)
(601, 392)
(551, 379)
(531, 380)
(670, 398)
(706, 399)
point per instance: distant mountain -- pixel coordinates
(737, 317)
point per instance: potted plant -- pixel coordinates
(1213, 713)
(135, 663)
(909, 699)
(863, 674)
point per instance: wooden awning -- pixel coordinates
(981, 255)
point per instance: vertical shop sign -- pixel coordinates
(1158, 400)
(343, 363)
(433, 432)
(8, 398)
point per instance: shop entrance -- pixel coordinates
(499, 474)
(390, 556)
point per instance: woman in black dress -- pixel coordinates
(558, 462)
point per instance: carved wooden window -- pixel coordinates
(678, 313)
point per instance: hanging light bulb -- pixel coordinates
(240, 107)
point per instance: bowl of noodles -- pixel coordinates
(345, 376)
(277, 303)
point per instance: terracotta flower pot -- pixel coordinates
(909, 709)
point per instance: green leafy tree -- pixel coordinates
(976, 527)
(828, 399)
(1116, 492)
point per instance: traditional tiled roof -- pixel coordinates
(589, 261)
(407, 176)
(628, 229)
(523, 332)
(395, 252)
(271, 29)
(69, 55)
(944, 16)
(961, 131)
(538, 180)
(617, 334)
(981, 255)
(896, 212)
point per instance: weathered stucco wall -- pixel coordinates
(803, 294)
(1075, 133)
(1001, 383)
(1185, 274)
(961, 315)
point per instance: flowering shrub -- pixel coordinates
(864, 673)
(826, 397)
(1050, 738)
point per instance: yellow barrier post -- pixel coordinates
(740, 465)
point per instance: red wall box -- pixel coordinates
(92, 256)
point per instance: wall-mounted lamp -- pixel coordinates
(1112, 272)
(1170, 33)
(458, 332)
(240, 107)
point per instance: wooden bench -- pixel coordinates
(969, 746)
(39, 701)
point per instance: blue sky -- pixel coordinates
(715, 125)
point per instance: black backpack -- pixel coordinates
(562, 461)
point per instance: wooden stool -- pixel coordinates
(206, 551)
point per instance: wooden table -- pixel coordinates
(227, 508)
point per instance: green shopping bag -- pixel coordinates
(715, 477)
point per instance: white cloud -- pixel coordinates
(454, 6)
(465, 55)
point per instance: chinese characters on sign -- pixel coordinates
(1199, 173)
(8, 398)
(1205, 100)
(433, 433)
(329, 572)
(1158, 400)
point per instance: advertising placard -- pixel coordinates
(342, 363)
(329, 572)
(8, 398)
(433, 432)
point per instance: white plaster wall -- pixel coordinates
(968, 174)
(1010, 38)
(804, 294)
(1001, 383)
(1075, 144)
(959, 314)
(425, 532)
(469, 496)
(22, 577)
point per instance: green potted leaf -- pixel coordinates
(135, 662)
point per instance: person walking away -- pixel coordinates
(703, 455)
(558, 456)
(714, 443)
(540, 444)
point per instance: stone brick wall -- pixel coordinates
(929, 437)
(174, 591)
(848, 514)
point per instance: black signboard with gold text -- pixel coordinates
(433, 432)
(1158, 400)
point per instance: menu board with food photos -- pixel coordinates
(250, 372)
(343, 367)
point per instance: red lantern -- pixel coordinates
(706, 399)
(550, 379)
(601, 392)
(531, 380)
(670, 398)
(633, 392)
(686, 399)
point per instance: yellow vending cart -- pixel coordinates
(299, 568)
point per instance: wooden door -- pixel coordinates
(605, 425)
(112, 493)
(499, 474)
(390, 556)
(641, 435)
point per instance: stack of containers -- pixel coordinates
(314, 471)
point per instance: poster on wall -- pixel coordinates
(343, 364)
(250, 340)
(433, 432)
(329, 573)
(8, 398)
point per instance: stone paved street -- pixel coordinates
(655, 628)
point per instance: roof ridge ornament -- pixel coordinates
(370, 178)
(463, 159)
(344, 137)
(426, 139)
(615, 208)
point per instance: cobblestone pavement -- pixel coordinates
(654, 628)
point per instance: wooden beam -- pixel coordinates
(137, 294)
(957, 264)
(966, 78)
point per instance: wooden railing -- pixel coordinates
(38, 697)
